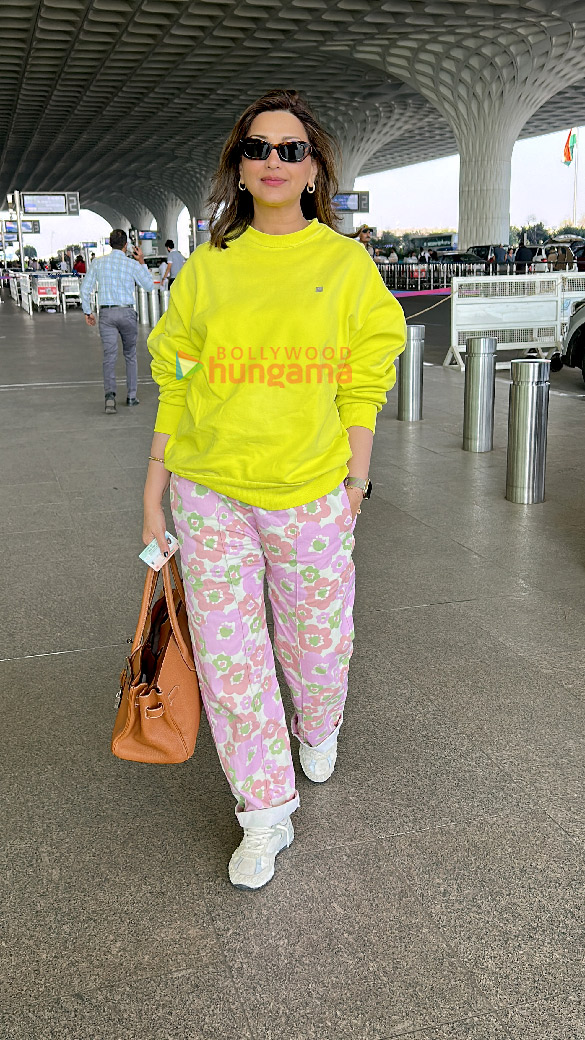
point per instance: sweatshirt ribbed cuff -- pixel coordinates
(167, 417)
(358, 415)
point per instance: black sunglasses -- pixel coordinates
(288, 151)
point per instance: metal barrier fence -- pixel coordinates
(436, 275)
(522, 312)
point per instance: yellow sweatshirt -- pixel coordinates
(269, 351)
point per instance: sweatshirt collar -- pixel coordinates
(296, 238)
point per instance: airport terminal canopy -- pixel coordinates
(129, 101)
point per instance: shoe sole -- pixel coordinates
(317, 779)
(256, 888)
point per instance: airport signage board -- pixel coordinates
(203, 225)
(29, 227)
(56, 204)
(352, 202)
(149, 235)
(9, 236)
(89, 245)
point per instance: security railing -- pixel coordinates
(413, 277)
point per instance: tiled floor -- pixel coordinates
(435, 888)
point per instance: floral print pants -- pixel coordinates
(227, 548)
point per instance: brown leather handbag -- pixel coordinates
(160, 704)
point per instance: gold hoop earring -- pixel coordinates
(241, 186)
(311, 189)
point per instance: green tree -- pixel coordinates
(568, 229)
(29, 251)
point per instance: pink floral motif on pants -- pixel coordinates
(227, 548)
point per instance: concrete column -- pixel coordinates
(141, 218)
(484, 189)
(363, 130)
(166, 209)
(487, 87)
(111, 214)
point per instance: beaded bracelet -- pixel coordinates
(153, 458)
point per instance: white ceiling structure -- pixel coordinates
(129, 101)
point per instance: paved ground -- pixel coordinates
(435, 887)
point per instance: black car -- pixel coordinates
(460, 258)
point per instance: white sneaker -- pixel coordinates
(318, 765)
(252, 864)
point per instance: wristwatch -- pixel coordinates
(365, 486)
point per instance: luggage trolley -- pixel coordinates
(70, 293)
(24, 281)
(14, 283)
(45, 293)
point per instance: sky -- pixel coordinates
(421, 197)
(425, 196)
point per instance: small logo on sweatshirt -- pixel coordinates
(318, 288)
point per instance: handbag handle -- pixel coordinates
(184, 650)
(147, 600)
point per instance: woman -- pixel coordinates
(273, 360)
(79, 265)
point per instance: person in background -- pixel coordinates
(380, 257)
(116, 275)
(64, 266)
(412, 258)
(34, 264)
(560, 258)
(523, 258)
(92, 258)
(364, 234)
(392, 256)
(79, 265)
(162, 270)
(174, 264)
(509, 257)
(365, 237)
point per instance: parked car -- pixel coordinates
(579, 254)
(573, 346)
(451, 257)
(488, 253)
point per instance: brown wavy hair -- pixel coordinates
(231, 209)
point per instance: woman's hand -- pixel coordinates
(356, 498)
(155, 524)
(157, 482)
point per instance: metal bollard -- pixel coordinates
(142, 306)
(480, 393)
(410, 375)
(527, 429)
(153, 307)
(165, 296)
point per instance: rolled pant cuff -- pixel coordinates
(268, 817)
(325, 744)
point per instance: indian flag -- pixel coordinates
(186, 365)
(569, 148)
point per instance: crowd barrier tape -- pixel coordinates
(531, 311)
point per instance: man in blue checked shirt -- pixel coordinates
(115, 276)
